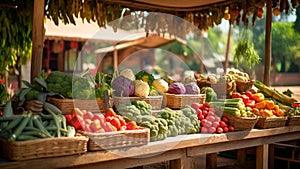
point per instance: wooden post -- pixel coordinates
(262, 153)
(268, 44)
(115, 58)
(202, 53)
(37, 37)
(211, 161)
(227, 48)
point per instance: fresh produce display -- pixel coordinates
(70, 86)
(97, 122)
(210, 121)
(29, 126)
(238, 75)
(274, 93)
(102, 83)
(145, 76)
(128, 73)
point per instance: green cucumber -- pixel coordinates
(15, 122)
(26, 138)
(20, 128)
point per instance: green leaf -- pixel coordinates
(23, 93)
(28, 84)
(41, 82)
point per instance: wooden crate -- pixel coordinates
(66, 105)
(270, 122)
(177, 101)
(293, 120)
(47, 147)
(117, 139)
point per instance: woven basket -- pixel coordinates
(270, 122)
(66, 105)
(293, 120)
(48, 147)
(118, 139)
(241, 123)
(203, 83)
(154, 101)
(244, 86)
(175, 101)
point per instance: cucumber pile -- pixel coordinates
(30, 126)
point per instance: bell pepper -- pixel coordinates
(260, 105)
(258, 97)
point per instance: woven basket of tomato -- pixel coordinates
(109, 130)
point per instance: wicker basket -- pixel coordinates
(175, 101)
(270, 122)
(293, 120)
(241, 123)
(154, 101)
(203, 83)
(244, 86)
(118, 139)
(66, 105)
(48, 147)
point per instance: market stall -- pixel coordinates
(132, 119)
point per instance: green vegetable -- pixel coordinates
(210, 93)
(15, 122)
(3, 94)
(145, 76)
(20, 128)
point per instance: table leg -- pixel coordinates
(241, 156)
(262, 153)
(211, 161)
(184, 163)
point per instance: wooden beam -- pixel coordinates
(37, 38)
(262, 153)
(268, 44)
(226, 64)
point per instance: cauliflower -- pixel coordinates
(141, 88)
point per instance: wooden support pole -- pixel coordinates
(268, 44)
(115, 59)
(262, 154)
(37, 37)
(211, 161)
(226, 64)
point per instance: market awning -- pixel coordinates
(83, 31)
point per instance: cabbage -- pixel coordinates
(176, 88)
(192, 88)
(141, 88)
(128, 73)
(122, 86)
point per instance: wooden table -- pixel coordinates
(178, 150)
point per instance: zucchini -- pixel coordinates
(54, 128)
(231, 100)
(8, 118)
(20, 128)
(38, 123)
(233, 111)
(8, 110)
(52, 108)
(35, 133)
(29, 128)
(27, 138)
(57, 122)
(46, 116)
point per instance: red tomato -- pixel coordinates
(210, 118)
(245, 98)
(206, 104)
(199, 111)
(216, 124)
(204, 130)
(225, 129)
(217, 118)
(203, 121)
(195, 105)
(225, 119)
(208, 124)
(231, 128)
(212, 129)
(219, 130)
(223, 124)
(250, 103)
(204, 112)
(200, 116)
(253, 91)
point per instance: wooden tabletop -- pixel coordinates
(172, 148)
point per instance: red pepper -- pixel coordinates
(76, 122)
(68, 117)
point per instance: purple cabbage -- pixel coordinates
(176, 88)
(192, 88)
(122, 87)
